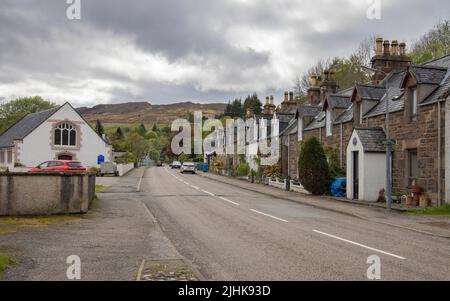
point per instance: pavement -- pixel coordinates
(113, 240)
(158, 224)
(229, 232)
(431, 225)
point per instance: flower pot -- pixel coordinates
(423, 203)
(416, 189)
(409, 200)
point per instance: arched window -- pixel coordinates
(65, 134)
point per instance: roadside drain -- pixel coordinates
(165, 270)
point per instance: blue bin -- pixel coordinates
(205, 167)
(338, 187)
(199, 166)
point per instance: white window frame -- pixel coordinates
(329, 126)
(300, 129)
(414, 101)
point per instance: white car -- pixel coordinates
(175, 164)
(188, 167)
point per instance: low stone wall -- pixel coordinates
(277, 184)
(124, 168)
(45, 193)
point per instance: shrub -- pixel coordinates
(242, 169)
(333, 162)
(314, 172)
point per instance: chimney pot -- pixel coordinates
(271, 99)
(402, 49)
(386, 46)
(286, 96)
(326, 74)
(379, 46)
(267, 100)
(394, 49)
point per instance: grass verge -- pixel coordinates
(443, 210)
(5, 262)
(36, 221)
(99, 188)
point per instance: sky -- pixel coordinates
(166, 51)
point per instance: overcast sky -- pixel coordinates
(166, 51)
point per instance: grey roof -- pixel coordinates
(396, 103)
(429, 74)
(372, 139)
(394, 79)
(24, 126)
(439, 93)
(317, 122)
(346, 116)
(306, 110)
(338, 101)
(440, 62)
(370, 91)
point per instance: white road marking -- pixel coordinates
(195, 187)
(207, 192)
(358, 244)
(138, 188)
(141, 268)
(229, 201)
(277, 218)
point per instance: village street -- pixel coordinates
(220, 232)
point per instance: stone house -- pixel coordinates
(59, 133)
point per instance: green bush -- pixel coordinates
(333, 162)
(243, 169)
(126, 158)
(314, 172)
(94, 170)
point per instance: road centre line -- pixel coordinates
(229, 201)
(207, 192)
(268, 215)
(358, 244)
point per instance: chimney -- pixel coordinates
(313, 93)
(271, 100)
(388, 58)
(329, 85)
(286, 96)
(386, 48)
(269, 107)
(402, 49)
(267, 101)
(291, 96)
(394, 49)
(379, 46)
(249, 113)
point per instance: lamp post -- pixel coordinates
(388, 142)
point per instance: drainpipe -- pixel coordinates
(439, 154)
(341, 146)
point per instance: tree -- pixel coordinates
(99, 128)
(314, 172)
(182, 158)
(138, 146)
(434, 44)
(253, 102)
(142, 130)
(119, 133)
(14, 110)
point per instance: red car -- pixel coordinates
(59, 165)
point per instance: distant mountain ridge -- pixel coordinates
(145, 112)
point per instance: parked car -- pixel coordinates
(159, 163)
(176, 164)
(108, 168)
(188, 167)
(59, 165)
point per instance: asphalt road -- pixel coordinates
(229, 233)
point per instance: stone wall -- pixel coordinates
(45, 193)
(420, 134)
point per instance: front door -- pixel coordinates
(65, 157)
(356, 175)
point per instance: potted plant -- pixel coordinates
(423, 202)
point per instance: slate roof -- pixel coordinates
(24, 126)
(306, 110)
(396, 103)
(371, 92)
(346, 116)
(338, 101)
(372, 139)
(318, 122)
(440, 62)
(439, 93)
(429, 74)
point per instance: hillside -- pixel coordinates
(145, 112)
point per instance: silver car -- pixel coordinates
(188, 167)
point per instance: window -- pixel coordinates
(328, 123)
(55, 164)
(413, 166)
(360, 112)
(300, 129)
(10, 155)
(65, 134)
(413, 101)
